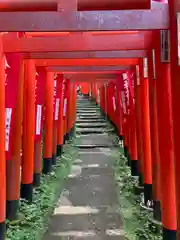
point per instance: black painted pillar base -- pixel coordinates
(67, 136)
(141, 180)
(54, 159)
(169, 234)
(157, 210)
(147, 193)
(27, 192)
(47, 165)
(121, 137)
(2, 230)
(125, 151)
(12, 208)
(134, 168)
(70, 134)
(129, 159)
(37, 179)
(59, 150)
(72, 131)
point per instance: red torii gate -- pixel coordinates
(157, 20)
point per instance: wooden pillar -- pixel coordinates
(2, 144)
(166, 145)
(13, 166)
(39, 104)
(28, 131)
(174, 18)
(55, 120)
(154, 136)
(48, 125)
(145, 115)
(60, 137)
(133, 142)
(138, 125)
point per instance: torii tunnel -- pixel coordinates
(60, 59)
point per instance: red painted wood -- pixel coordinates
(92, 69)
(174, 9)
(156, 18)
(85, 62)
(28, 5)
(166, 141)
(94, 5)
(90, 54)
(85, 43)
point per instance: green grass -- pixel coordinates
(37, 215)
(136, 220)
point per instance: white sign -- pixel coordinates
(7, 127)
(114, 103)
(154, 63)
(178, 36)
(123, 101)
(57, 109)
(137, 75)
(125, 76)
(65, 107)
(145, 66)
(38, 119)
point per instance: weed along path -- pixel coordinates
(88, 206)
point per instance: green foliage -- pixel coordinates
(36, 216)
(136, 220)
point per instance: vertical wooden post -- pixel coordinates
(154, 136)
(60, 138)
(48, 125)
(133, 142)
(146, 131)
(2, 144)
(138, 125)
(174, 18)
(28, 132)
(69, 108)
(13, 178)
(166, 146)
(37, 163)
(120, 111)
(55, 119)
(39, 110)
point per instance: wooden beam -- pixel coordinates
(78, 42)
(28, 5)
(92, 69)
(85, 62)
(53, 5)
(156, 18)
(90, 54)
(86, 77)
(86, 5)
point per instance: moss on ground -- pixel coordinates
(37, 215)
(136, 220)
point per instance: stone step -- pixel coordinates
(89, 118)
(89, 106)
(87, 111)
(93, 130)
(89, 114)
(91, 126)
(90, 121)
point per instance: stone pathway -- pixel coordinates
(87, 208)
